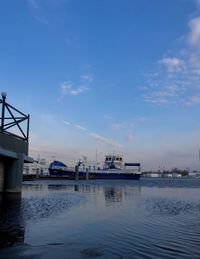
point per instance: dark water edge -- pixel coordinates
(149, 218)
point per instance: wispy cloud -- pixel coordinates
(33, 3)
(106, 141)
(41, 19)
(122, 125)
(128, 125)
(198, 3)
(129, 137)
(80, 127)
(77, 88)
(68, 88)
(194, 34)
(98, 138)
(172, 64)
(195, 99)
(38, 12)
(176, 79)
(67, 122)
(87, 78)
(126, 128)
(118, 126)
(108, 116)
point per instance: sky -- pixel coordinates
(105, 76)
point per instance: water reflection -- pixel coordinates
(108, 219)
(12, 224)
(44, 200)
(113, 194)
(76, 188)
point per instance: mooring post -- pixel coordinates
(76, 172)
(87, 174)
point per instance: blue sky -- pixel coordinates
(106, 75)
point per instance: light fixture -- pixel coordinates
(4, 94)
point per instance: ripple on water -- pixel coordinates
(132, 226)
(92, 252)
(52, 204)
(166, 207)
(15, 212)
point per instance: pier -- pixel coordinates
(14, 139)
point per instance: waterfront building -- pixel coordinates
(39, 167)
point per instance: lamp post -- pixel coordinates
(3, 95)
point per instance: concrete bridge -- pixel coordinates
(14, 136)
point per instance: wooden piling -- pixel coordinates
(87, 174)
(76, 173)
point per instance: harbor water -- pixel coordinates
(149, 218)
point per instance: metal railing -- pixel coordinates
(8, 120)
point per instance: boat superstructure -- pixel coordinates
(113, 162)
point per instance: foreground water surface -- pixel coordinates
(149, 218)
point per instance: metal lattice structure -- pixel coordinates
(12, 117)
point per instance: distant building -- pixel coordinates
(152, 174)
(165, 174)
(38, 167)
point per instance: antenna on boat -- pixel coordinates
(96, 156)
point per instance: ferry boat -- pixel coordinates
(113, 168)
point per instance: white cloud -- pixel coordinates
(128, 127)
(129, 137)
(118, 126)
(70, 88)
(75, 125)
(41, 19)
(67, 123)
(169, 91)
(123, 125)
(67, 88)
(96, 137)
(172, 64)
(179, 81)
(87, 78)
(103, 140)
(80, 127)
(195, 99)
(194, 35)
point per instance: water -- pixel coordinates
(149, 218)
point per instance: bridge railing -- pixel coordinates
(12, 117)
